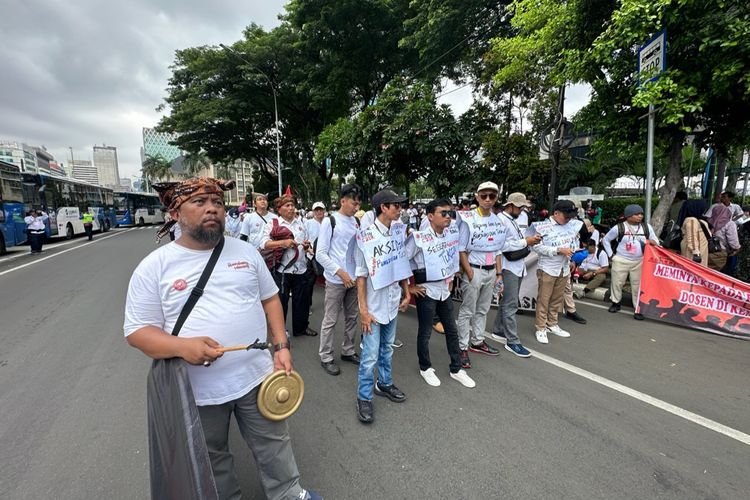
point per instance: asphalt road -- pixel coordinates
(73, 424)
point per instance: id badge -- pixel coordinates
(629, 247)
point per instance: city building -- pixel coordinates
(157, 144)
(84, 170)
(105, 160)
(125, 185)
(29, 158)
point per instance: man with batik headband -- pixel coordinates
(482, 237)
(174, 194)
(291, 271)
(222, 384)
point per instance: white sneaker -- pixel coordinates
(498, 338)
(464, 379)
(429, 376)
(556, 330)
(541, 337)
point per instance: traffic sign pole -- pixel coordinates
(650, 161)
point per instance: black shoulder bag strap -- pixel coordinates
(197, 291)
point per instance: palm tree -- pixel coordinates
(155, 168)
(194, 163)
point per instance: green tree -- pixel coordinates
(194, 163)
(704, 92)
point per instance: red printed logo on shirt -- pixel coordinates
(240, 264)
(180, 285)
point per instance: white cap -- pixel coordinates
(489, 185)
(318, 204)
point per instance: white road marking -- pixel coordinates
(641, 396)
(7, 271)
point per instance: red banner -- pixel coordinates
(677, 290)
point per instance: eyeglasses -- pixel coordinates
(448, 213)
(488, 196)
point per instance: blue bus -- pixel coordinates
(66, 200)
(12, 226)
(138, 209)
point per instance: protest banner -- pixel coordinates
(385, 256)
(679, 291)
(440, 254)
(486, 234)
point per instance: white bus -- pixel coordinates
(138, 209)
(66, 200)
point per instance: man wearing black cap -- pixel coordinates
(382, 290)
(336, 253)
(559, 234)
(630, 237)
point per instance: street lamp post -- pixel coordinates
(275, 106)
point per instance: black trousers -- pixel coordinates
(35, 241)
(427, 309)
(89, 228)
(297, 285)
(311, 279)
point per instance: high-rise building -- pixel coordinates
(28, 158)
(157, 144)
(83, 170)
(105, 160)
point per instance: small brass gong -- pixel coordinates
(280, 395)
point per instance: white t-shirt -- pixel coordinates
(592, 262)
(252, 227)
(229, 311)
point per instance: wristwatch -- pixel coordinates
(280, 346)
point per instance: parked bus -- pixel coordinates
(12, 226)
(66, 200)
(138, 209)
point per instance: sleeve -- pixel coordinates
(463, 236)
(265, 235)
(512, 244)
(361, 269)
(547, 251)
(245, 226)
(503, 235)
(603, 259)
(411, 246)
(733, 240)
(688, 235)
(143, 303)
(322, 251)
(652, 236)
(608, 239)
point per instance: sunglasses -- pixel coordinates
(448, 213)
(488, 196)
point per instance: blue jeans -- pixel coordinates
(377, 349)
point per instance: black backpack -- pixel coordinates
(621, 235)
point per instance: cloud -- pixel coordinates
(89, 72)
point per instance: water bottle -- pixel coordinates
(498, 290)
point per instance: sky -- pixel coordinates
(80, 73)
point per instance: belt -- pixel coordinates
(486, 268)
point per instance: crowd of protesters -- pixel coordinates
(492, 238)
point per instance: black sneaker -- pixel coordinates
(351, 358)
(465, 361)
(614, 307)
(484, 348)
(391, 392)
(365, 411)
(576, 317)
(330, 367)
(639, 316)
